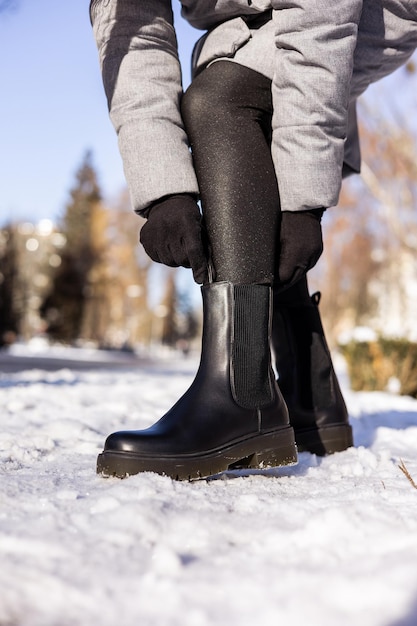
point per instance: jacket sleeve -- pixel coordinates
(142, 79)
(315, 45)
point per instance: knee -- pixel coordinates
(194, 105)
(213, 94)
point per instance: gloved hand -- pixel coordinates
(301, 244)
(172, 235)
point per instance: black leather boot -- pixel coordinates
(233, 415)
(306, 376)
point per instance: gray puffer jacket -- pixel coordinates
(320, 56)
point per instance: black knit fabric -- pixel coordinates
(301, 245)
(172, 235)
(250, 354)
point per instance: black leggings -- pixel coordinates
(227, 112)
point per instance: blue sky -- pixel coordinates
(52, 106)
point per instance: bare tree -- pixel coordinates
(129, 317)
(368, 272)
(350, 265)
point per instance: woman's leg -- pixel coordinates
(227, 113)
(233, 415)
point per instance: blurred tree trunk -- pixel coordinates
(10, 312)
(168, 307)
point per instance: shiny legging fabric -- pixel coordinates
(227, 111)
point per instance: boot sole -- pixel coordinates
(268, 450)
(325, 440)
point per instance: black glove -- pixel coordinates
(172, 235)
(301, 244)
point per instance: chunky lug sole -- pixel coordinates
(325, 440)
(267, 450)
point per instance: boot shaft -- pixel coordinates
(303, 361)
(232, 415)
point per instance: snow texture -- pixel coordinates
(329, 542)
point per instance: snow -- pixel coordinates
(330, 541)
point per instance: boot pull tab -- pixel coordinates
(316, 297)
(210, 271)
(211, 274)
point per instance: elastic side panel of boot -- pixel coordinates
(251, 370)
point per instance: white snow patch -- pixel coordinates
(331, 541)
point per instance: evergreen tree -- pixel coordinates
(180, 324)
(65, 306)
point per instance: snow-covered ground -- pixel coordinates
(330, 541)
